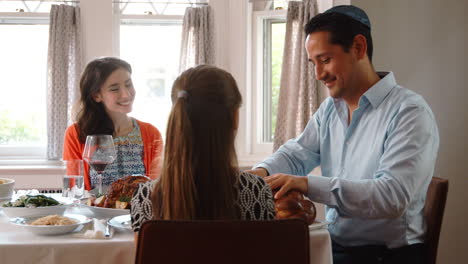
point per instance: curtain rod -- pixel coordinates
(157, 2)
(116, 2)
(253, 1)
(58, 1)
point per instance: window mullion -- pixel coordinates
(267, 74)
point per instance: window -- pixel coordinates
(150, 36)
(269, 28)
(156, 7)
(272, 47)
(23, 84)
(155, 66)
(24, 27)
(28, 7)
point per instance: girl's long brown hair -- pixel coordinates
(92, 116)
(200, 169)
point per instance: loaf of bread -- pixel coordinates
(294, 205)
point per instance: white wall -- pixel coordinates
(424, 43)
(96, 24)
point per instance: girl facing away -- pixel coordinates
(107, 95)
(200, 178)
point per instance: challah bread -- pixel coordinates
(294, 205)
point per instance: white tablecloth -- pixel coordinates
(320, 247)
(19, 246)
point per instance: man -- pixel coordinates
(376, 143)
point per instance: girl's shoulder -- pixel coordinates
(148, 130)
(145, 125)
(72, 129)
(144, 190)
(250, 180)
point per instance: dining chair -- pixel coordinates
(246, 242)
(433, 213)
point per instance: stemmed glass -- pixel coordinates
(99, 152)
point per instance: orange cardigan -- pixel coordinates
(152, 149)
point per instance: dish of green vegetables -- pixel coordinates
(33, 205)
(32, 201)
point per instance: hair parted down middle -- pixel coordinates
(200, 171)
(92, 117)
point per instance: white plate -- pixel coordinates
(318, 225)
(102, 212)
(121, 223)
(46, 230)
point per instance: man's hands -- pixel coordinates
(259, 172)
(286, 182)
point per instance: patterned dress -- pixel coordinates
(255, 201)
(129, 160)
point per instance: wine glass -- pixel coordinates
(99, 152)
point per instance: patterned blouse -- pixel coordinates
(129, 160)
(254, 199)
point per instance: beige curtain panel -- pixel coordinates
(300, 93)
(63, 71)
(197, 38)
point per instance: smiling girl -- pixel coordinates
(107, 96)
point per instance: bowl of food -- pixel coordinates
(92, 210)
(51, 224)
(33, 205)
(117, 199)
(6, 188)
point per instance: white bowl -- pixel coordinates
(13, 212)
(25, 222)
(102, 212)
(6, 189)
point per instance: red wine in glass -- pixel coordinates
(98, 166)
(99, 152)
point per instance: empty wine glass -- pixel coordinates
(99, 152)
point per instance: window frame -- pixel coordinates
(260, 79)
(18, 154)
(268, 23)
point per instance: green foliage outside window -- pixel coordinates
(18, 131)
(278, 33)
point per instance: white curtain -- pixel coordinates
(300, 93)
(63, 71)
(197, 38)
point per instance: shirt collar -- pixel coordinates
(377, 93)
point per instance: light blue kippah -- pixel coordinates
(354, 12)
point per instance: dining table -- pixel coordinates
(18, 245)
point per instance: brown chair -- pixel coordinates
(207, 242)
(434, 212)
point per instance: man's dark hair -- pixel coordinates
(342, 30)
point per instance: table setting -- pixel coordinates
(83, 241)
(62, 227)
(105, 229)
(78, 225)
